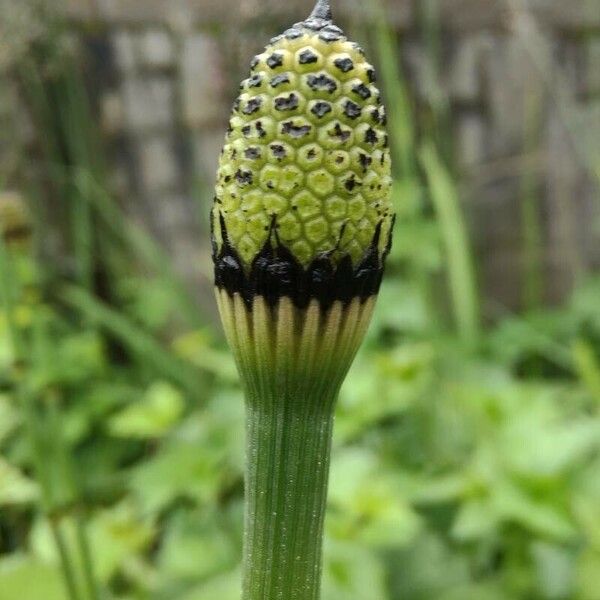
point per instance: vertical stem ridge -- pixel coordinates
(286, 496)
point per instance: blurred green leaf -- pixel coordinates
(224, 587)
(407, 373)
(539, 516)
(191, 536)
(474, 591)
(9, 417)
(475, 520)
(461, 275)
(367, 502)
(197, 347)
(427, 569)
(538, 447)
(588, 367)
(555, 570)
(156, 412)
(182, 470)
(149, 301)
(15, 488)
(25, 578)
(401, 307)
(204, 454)
(442, 489)
(588, 575)
(132, 336)
(118, 536)
(350, 571)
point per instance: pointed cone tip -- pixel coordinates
(322, 10)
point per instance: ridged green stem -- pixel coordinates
(292, 362)
(288, 446)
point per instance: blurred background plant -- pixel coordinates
(467, 442)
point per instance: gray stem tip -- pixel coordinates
(322, 10)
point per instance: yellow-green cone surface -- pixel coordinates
(306, 151)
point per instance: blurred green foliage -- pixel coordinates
(458, 471)
(466, 461)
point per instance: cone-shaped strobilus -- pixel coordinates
(302, 224)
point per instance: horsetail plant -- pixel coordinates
(302, 224)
